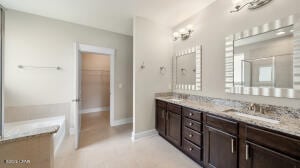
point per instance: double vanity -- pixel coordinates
(217, 135)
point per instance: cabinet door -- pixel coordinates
(260, 157)
(220, 149)
(174, 128)
(161, 120)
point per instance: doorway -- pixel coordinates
(88, 69)
(95, 96)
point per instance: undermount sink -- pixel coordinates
(235, 112)
(176, 100)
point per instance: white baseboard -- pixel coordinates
(144, 134)
(94, 110)
(121, 122)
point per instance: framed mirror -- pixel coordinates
(265, 60)
(187, 69)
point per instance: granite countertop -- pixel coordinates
(287, 124)
(13, 134)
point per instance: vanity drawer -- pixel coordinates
(192, 150)
(192, 114)
(222, 124)
(192, 124)
(278, 142)
(192, 136)
(174, 108)
(161, 104)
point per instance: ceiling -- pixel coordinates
(112, 15)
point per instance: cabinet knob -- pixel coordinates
(190, 149)
(190, 135)
(190, 124)
(190, 114)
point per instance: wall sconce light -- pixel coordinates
(143, 65)
(163, 69)
(252, 4)
(184, 33)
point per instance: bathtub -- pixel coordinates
(58, 137)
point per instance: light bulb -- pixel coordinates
(182, 31)
(280, 33)
(190, 27)
(175, 34)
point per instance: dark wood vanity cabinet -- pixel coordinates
(173, 132)
(192, 135)
(268, 149)
(262, 157)
(161, 117)
(168, 122)
(219, 142)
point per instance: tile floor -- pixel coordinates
(104, 147)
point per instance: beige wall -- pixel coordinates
(95, 81)
(153, 46)
(36, 40)
(213, 24)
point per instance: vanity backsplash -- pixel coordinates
(271, 110)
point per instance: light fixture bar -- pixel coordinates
(184, 33)
(254, 4)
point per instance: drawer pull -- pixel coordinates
(232, 145)
(190, 114)
(190, 124)
(190, 149)
(247, 151)
(190, 135)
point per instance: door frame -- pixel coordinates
(2, 104)
(80, 47)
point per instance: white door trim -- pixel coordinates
(111, 53)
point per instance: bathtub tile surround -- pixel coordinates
(21, 113)
(33, 112)
(36, 141)
(12, 134)
(15, 131)
(289, 117)
(36, 151)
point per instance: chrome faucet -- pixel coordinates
(257, 108)
(264, 110)
(252, 107)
